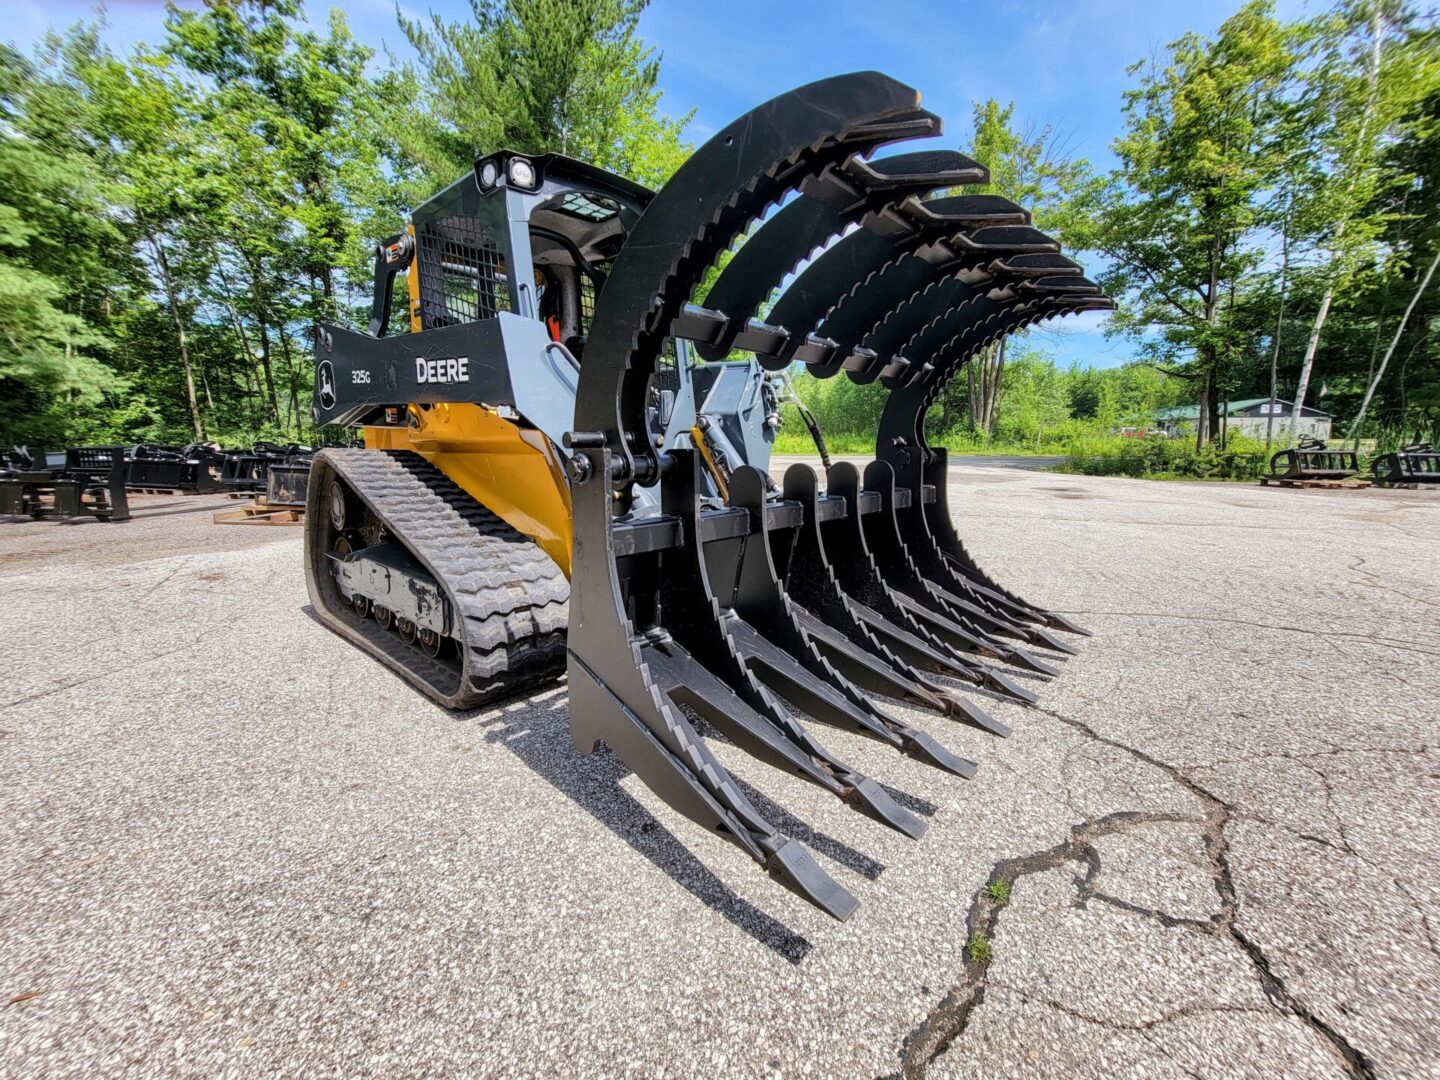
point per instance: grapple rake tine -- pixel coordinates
(760, 598)
(882, 534)
(880, 606)
(809, 577)
(692, 613)
(850, 192)
(902, 444)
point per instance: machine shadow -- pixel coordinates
(539, 735)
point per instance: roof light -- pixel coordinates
(522, 173)
(489, 173)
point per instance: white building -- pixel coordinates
(1251, 417)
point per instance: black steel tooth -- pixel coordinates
(718, 681)
(819, 700)
(794, 867)
(866, 670)
(1060, 622)
(968, 711)
(665, 752)
(860, 578)
(794, 662)
(874, 801)
(1000, 684)
(1021, 659)
(808, 575)
(922, 747)
(913, 591)
(1047, 640)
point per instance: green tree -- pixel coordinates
(1183, 222)
(1029, 166)
(570, 76)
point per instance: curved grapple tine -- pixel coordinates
(841, 195)
(842, 629)
(714, 196)
(825, 285)
(761, 601)
(948, 288)
(922, 471)
(892, 555)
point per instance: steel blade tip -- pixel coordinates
(924, 748)
(1025, 662)
(1059, 622)
(1001, 685)
(794, 867)
(973, 714)
(874, 801)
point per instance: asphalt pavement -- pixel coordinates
(231, 845)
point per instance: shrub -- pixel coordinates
(1168, 459)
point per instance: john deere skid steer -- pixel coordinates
(566, 469)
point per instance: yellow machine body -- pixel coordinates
(512, 471)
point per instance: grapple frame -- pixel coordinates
(1418, 463)
(1311, 459)
(649, 617)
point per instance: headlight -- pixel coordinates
(489, 174)
(522, 173)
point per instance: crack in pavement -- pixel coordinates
(948, 1020)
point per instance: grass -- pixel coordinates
(998, 891)
(796, 440)
(978, 948)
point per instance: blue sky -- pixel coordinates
(1062, 63)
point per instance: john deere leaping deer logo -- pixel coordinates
(325, 384)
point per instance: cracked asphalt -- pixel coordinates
(230, 845)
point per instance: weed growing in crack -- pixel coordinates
(998, 891)
(978, 948)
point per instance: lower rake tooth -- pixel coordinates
(1019, 658)
(962, 709)
(1059, 622)
(1047, 640)
(923, 748)
(874, 801)
(993, 680)
(794, 867)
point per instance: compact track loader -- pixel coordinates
(566, 460)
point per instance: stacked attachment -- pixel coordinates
(1418, 463)
(89, 483)
(699, 587)
(1312, 460)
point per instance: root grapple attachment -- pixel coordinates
(1418, 463)
(703, 596)
(89, 483)
(741, 603)
(1313, 460)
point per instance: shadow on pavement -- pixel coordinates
(539, 735)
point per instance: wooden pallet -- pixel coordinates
(260, 513)
(1352, 483)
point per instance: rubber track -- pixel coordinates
(513, 600)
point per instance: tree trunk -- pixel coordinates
(196, 420)
(294, 387)
(1372, 100)
(1380, 372)
(995, 388)
(1204, 411)
(1279, 328)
